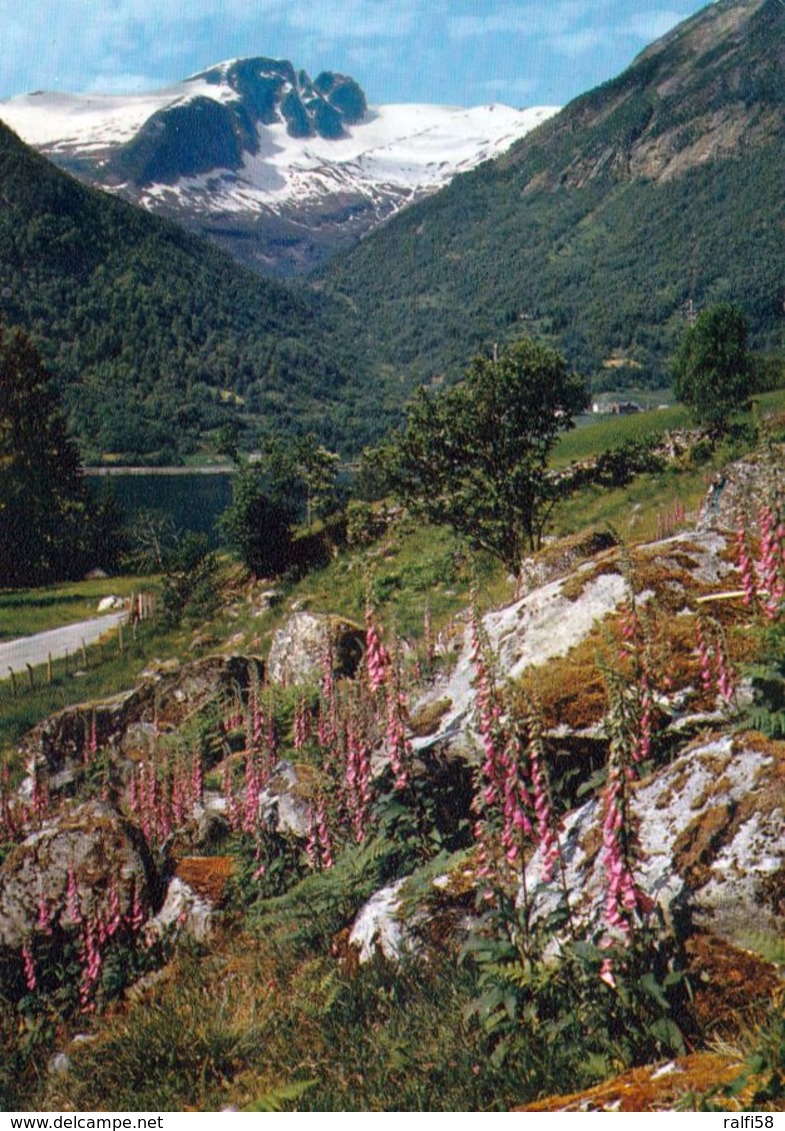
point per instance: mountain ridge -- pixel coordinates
(278, 169)
(154, 337)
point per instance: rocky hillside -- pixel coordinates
(554, 817)
(276, 168)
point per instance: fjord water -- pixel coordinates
(193, 500)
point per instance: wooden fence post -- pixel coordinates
(13, 680)
(49, 668)
(30, 676)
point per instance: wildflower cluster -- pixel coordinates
(319, 843)
(640, 670)
(717, 673)
(88, 930)
(163, 800)
(513, 802)
(763, 579)
(671, 519)
(19, 815)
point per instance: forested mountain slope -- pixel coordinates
(278, 169)
(656, 193)
(154, 337)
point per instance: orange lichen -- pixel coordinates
(208, 876)
(729, 984)
(697, 847)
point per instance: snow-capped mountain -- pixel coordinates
(279, 169)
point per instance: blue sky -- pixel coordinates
(461, 52)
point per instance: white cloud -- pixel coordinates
(578, 42)
(355, 19)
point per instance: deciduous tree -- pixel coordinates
(712, 368)
(475, 455)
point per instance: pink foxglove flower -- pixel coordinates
(301, 724)
(72, 903)
(29, 968)
(606, 973)
(43, 921)
(377, 658)
(771, 566)
(549, 843)
(398, 746)
(745, 565)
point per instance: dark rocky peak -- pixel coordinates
(199, 133)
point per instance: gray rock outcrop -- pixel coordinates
(104, 851)
(297, 650)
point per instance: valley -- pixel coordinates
(431, 757)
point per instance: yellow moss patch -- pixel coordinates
(652, 1088)
(570, 690)
(575, 585)
(426, 719)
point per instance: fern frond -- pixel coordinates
(275, 1098)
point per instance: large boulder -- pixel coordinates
(711, 834)
(298, 648)
(107, 856)
(553, 634)
(285, 802)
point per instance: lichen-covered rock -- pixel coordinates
(419, 914)
(552, 636)
(183, 911)
(103, 851)
(379, 928)
(128, 722)
(711, 833)
(285, 802)
(544, 624)
(298, 648)
(740, 490)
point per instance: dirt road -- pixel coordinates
(16, 654)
